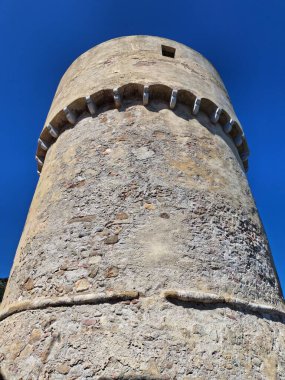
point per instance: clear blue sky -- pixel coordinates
(244, 39)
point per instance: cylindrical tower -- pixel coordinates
(143, 255)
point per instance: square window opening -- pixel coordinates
(168, 51)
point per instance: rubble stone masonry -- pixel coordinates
(143, 255)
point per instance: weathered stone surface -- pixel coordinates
(28, 284)
(213, 239)
(122, 216)
(138, 59)
(135, 207)
(113, 239)
(82, 285)
(151, 338)
(63, 369)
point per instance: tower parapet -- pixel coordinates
(121, 64)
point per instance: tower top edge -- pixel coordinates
(142, 60)
(149, 43)
(143, 38)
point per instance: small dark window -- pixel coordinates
(168, 51)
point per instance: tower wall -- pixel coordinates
(143, 255)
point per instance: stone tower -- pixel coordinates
(143, 255)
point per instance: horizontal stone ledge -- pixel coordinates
(78, 299)
(216, 299)
(191, 297)
(70, 114)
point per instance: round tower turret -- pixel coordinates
(143, 255)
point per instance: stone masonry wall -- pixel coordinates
(143, 200)
(145, 339)
(143, 255)
(141, 194)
